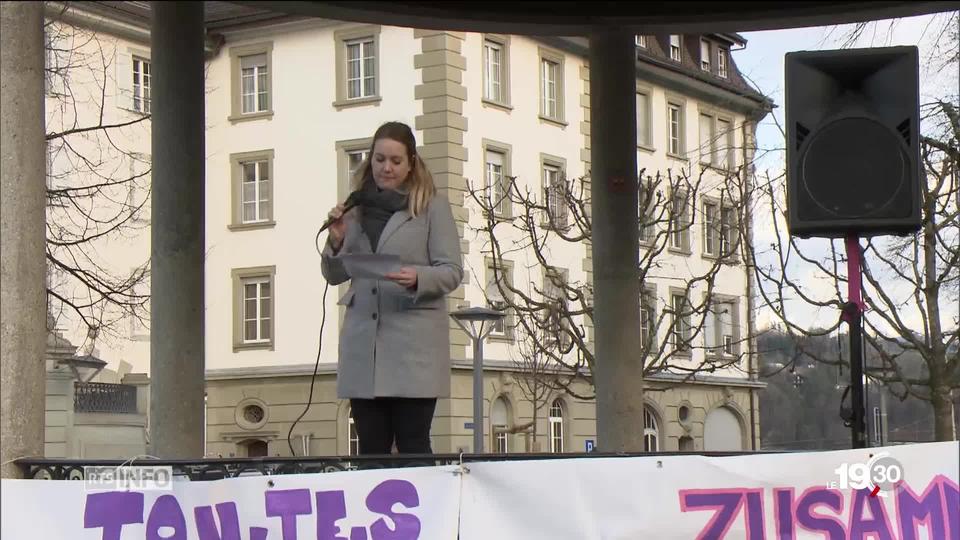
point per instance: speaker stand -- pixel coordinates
(853, 315)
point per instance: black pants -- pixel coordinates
(381, 421)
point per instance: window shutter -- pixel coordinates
(253, 61)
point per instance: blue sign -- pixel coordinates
(589, 445)
(468, 425)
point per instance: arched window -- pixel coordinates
(651, 431)
(499, 422)
(556, 426)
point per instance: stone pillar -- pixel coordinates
(442, 96)
(177, 299)
(22, 234)
(618, 373)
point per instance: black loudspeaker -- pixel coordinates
(853, 142)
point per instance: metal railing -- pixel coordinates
(218, 468)
(104, 398)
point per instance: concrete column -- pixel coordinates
(176, 314)
(618, 373)
(23, 301)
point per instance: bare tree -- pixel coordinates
(911, 284)
(551, 316)
(97, 184)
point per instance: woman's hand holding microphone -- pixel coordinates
(338, 227)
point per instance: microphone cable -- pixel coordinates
(316, 365)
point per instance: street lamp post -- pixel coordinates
(477, 322)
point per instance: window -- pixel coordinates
(707, 139)
(353, 440)
(253, 83)
(357, 66)
(137, 203)
(647, 210)
(675, 128)
(716, 142)
(492, 71)
(361, 68)
(556, 427)
(651, 431)
(551, 86)
(548, 78)
(139, 319)
(722, 62)
(554, 294)
(497, 287)
(499, 422)
(724, 156)
(641, 41)
(141, 85)
(254, 308)
(680, 323)
(495, 182)
(648, 316)
(721, 327)
(675, 47)
(719, 229)
(355, 159)
(680, 222)
(643, 120)
(554, 192)
(496, 69)
(704, 55)
(711, 228)
(251, 71)
(728, 230)
(253, 189)
(351, 155)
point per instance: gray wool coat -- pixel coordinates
(395, 342)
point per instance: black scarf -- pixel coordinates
(379, 205)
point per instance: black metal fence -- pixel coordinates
(217, 468)
(104, 398)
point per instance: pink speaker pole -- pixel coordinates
(853, 316)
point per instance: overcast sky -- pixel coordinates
(762, 62)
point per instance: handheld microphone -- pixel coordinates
(356, 198)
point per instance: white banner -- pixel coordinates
(392, 504)
(784, 496)
(894, 493)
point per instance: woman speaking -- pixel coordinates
(395, 340)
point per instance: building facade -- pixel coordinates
(291, 106)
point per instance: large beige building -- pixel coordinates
(291, 106)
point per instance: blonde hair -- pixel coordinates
(419, 184)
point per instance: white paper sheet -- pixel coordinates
(370, 265)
